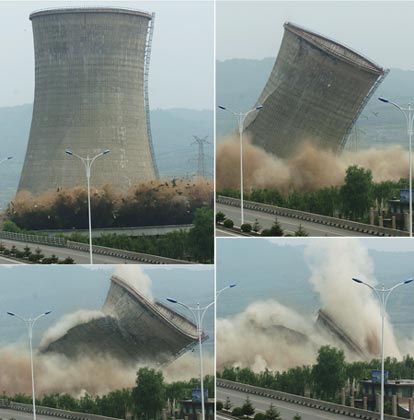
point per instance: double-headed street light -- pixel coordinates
(88, 162)
(241, 116)
(198, 314)
(382, 295)
(30, 323)
(409, 117)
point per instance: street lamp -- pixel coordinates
(409, 117)
(88, 162)
(382, 295)
(241, 116)
(198, 314)
(30, 323)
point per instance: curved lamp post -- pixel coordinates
(409, 117)
(30, 323)
(198, 314)
(241, 116)
(87, 163)
(382, 295)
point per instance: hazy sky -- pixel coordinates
(182, 57)
(380, 30)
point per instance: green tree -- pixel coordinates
(329, 372)
(357, 192)
(149, 394)
(201, 236)
(301, 231)
(272, 413)
(297, 417)
(220, 217)
(276, 229)
(247, 407)
(228, 404)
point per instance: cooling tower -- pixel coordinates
(315, 92)
(91, 69)
(131, 329)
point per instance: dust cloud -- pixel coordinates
(95, 376)
(136, 279)
(309, 169)
(270, 335)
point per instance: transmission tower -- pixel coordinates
(201, 163)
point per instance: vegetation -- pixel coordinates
(148, 204)
(325, 378)
(33, 257)
(195, 245)
(228, 223)
(351, 200)
(145, 400)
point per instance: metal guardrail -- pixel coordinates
(304, 401)
(53, 412)
(311, 217)
(36, 239)
(127, 255)
(101, 250)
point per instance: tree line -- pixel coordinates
(352, 200)
(325, 378)
(145, 401)
(148, 204)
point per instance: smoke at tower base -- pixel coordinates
(270, 335)
(308, 169)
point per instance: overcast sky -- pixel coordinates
(182, 57)
(380, 30)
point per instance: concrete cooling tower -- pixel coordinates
(91, 71)
(131, 329)
(315, 92)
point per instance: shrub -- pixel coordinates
(219, 405)
(220, 217)
(237, 412)
(246, 227)
(228, 223)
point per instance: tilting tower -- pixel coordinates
(315, 92)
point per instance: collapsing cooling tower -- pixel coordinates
(315, 92)
(132, 329)
(91, 70)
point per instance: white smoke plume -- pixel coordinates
(136, 279)
(270, 335)
(66, 323)
(355, 307)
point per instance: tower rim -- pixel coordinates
(71, 10)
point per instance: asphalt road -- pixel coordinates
(80, 257)
(21, 415)
(287, 410)
(289, 225)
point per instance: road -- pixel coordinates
(287, 410)
(289, 225)
(21, 415)
(80, 257)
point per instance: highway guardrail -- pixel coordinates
(36, 239)
(304, 401)
(127, 255)
(53, 412)
(311, 217)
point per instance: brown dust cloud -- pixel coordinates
(308, 169)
